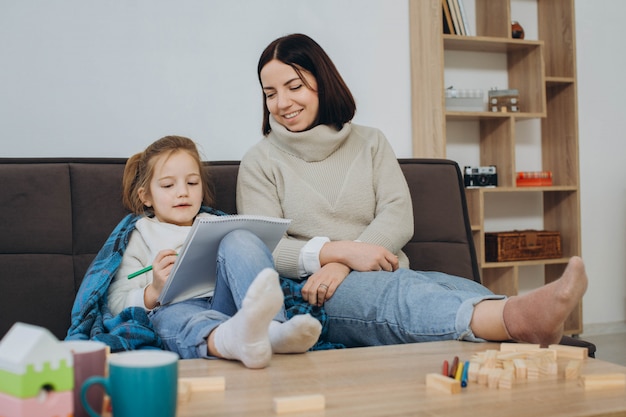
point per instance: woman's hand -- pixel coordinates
(359, 256)
(322, 285)
(161, 268)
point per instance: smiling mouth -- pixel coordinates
(292, 115)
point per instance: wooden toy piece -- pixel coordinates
(443, 383)
(521, 370)
(46, 404)
(188, 386)
(532, 369)
(603, 381)
(491, 358)
(483, 375)
(299, 403)
(518, 347)
(36, 374)
(572, 370)
(507, 378)
(31, 357)
(570, 352)
(472, 371)
(209, 383)
(494, 377)
(184, 393)
(547, 367)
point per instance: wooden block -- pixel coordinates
(483, 375)
(521, 370)
(443, 383)
(491, 359)
(298, 403)
(188, 386)
(184, 393)
(506, 379)
(493, 378)
(518, 347)
(532, 369)
(548, 367)
(603, 381)
(472, 372)
(542, 354)
(209, 383)
(570, 352)
(572, 370)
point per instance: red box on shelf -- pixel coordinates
(534, 179)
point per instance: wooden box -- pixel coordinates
(522, 245)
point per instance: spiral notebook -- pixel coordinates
(195, 271)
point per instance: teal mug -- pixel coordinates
(139, 383)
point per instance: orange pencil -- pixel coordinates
(444, 372)
(455, 364)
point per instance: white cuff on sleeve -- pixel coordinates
(135, 298)
(309, 262)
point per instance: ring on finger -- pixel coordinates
(324, 286)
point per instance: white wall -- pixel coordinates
(105, 78)
(602, 131)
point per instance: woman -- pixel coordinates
(351, 209)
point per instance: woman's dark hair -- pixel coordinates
(336, 104)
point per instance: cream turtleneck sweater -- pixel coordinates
(344, 185)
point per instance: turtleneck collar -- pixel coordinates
(311, 145)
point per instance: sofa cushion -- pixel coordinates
(36, 209)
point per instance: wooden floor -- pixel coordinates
(610, 347)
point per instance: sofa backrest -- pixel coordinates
(55, 215)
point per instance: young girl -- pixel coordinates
(242, 318)
(351, 209)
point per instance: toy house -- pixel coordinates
(36, 374)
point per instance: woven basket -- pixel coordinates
(522, 245)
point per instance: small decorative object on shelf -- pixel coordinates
(504, 101)
(464, 100)
(522, 245)
(534, 179)
(517, 31)
(486, 176)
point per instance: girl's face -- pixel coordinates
(175, 190)
(288, 99)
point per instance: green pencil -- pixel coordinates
(141, 271)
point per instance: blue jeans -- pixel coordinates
(405, 306)
(185, 326)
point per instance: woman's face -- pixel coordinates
(288, 99)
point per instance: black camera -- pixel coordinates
(481, 176)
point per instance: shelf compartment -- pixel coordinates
(488, 44)
(556, 27)
(525, 66)
(476, 115)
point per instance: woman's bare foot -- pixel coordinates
(538, 316)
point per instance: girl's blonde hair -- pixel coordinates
(139, 170)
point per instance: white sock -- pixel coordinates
(296, 335)
(245, 336)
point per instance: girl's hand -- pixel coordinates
(322, 285)
(359, 256)
(161, 268)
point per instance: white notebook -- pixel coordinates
(195, 271)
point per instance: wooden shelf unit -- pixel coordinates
(544, 72)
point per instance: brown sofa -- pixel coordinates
(56, 213)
